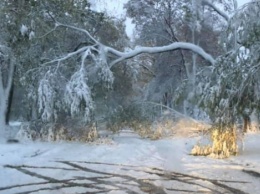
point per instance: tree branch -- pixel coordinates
(221, 13)
(126, 55)
(148, 69)
(174, 37)
(69, 55)
(171, 47)
(78, 29)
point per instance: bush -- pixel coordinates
(68, 131)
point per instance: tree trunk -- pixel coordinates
(5, 89)
(246, 123)
(8, 108)
(3, 106)
(2, 115)
(254, 121)
(34, 113)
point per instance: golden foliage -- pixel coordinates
(156, 130)
(224, 144)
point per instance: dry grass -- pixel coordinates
(189, 128)
(103, 141)
(59, 133)
(92, 134)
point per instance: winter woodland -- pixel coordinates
(84, 108)
(63, 64)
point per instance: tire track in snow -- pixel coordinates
(103, 180)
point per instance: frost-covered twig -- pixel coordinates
(47, 33)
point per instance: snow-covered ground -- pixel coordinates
(130, 165)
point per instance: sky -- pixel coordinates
(241, 2)
(115, 8)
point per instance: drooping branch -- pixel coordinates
(216, 9)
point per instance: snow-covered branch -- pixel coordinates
(77, 91)
(216, 9)
(126, 55)
(69, 55)
(46, 97)
(78, 29)
(171, 47)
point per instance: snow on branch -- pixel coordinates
(69, 55)
(78, 29)
(171, 47)
(46, 97)
(105, 74)
(126, 55)
(216, 9)
(78, 93)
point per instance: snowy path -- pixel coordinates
(131, 165)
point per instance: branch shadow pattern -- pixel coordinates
(119, 179)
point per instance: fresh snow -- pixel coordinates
(24, 30)
(129, 165)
